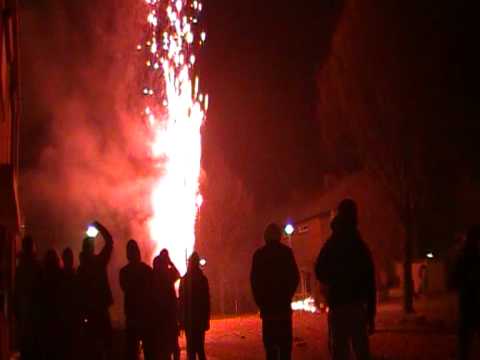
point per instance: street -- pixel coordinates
(429, 334)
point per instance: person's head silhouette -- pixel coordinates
(51, 262)
(347, 212)
(272, 233)
(133, 251)
(162, 260)
(67, 258)
(194, 262)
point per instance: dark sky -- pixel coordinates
(259, 66)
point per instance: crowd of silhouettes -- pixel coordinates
(63, 312)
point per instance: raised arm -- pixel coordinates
(106, 252)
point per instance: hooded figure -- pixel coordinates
(194, 304)
(136, 283)
(165, 306)
(345, 269)
(95, 296)
(274, 278)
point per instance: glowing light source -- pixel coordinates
(175, 111)
(430, 255)
(91, 231)
(289, 229)
(203, 262)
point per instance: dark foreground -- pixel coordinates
(430, 334)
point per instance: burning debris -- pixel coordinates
(307, 304)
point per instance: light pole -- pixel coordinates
(289, 229)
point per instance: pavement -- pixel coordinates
(427, 334)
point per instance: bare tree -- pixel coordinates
(372, 113)
(225, 227)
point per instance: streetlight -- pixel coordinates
(289, 229)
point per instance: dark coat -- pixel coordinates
(51, 304)
(136, 283)
(165, 306)
(94, 292)
(194, 301)
(27, 296)
(69, 298)
(51, 299)
(466, 279)
(346, 267)
(274, 279)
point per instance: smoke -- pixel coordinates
(84, 150)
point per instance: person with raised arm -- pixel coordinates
(95, 295)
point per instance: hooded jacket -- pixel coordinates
(345, 266)
(274, 279)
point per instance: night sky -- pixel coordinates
(259, 66)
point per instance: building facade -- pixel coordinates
(9, 164)
(311, 218)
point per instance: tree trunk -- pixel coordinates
(407, 270)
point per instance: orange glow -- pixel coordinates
(175, 112)
(307, 304)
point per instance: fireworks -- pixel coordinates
(174, 112)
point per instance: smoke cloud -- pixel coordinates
(85, 151)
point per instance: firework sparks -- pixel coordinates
(174, 112)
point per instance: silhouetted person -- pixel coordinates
(165, 274)
(51, 307)
(69, 306)
(194, 304)
(466, 279)
(28, 277)
(346, 271)
(274, 279)
(136, 283)
(95, 296)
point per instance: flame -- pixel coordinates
(307, 304)
(175, 111)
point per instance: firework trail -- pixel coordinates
(175, 111)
